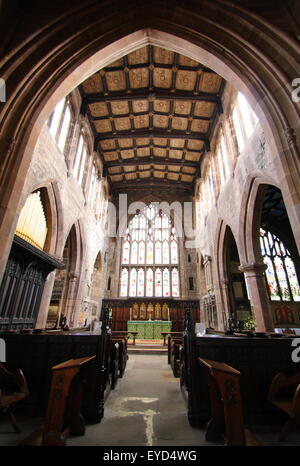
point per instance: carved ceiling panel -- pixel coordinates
(152, 113)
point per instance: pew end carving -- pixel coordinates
(63, 417)
(13, 388)
(284, 394)
(226, 405)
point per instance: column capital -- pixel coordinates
(257, 268)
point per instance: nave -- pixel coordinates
(145, 409)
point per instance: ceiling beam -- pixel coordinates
(157, 94)
(128, 115)
(150, 161)
(152, 134)
(154, 146)
(159, 182)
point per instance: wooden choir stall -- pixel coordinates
(36, 354)
(257, 358)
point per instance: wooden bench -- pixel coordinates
(175, 344)
(13, 388)
(165, 334)
(114, 363)
(284, 393)
(172, 335)
(123, 354)
(226, 405)
(63, 416)
(123, 333)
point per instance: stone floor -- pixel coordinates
(145, 409)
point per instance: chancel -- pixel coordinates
(149, 222)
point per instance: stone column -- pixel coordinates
(258, 295)
(225, 302)
(71, 306)
(45, 301)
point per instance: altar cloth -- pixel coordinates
(149, 329)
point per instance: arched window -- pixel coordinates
(60, 123)
(244, 120)
(281, 277)
(150, 256)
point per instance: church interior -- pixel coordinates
(149, 222)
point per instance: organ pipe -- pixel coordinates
(32, 224)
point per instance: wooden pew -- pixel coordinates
(121, 333)
(63, 417)
(284, 393)
(123, 354)
(258, 358)
(13, 388)
(114, 364)
(174, 345)
(172, 335)
(36, 354)
(226, 405)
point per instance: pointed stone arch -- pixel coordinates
(64, 56)
(254, 267)
(67, 290)
(97, 287)
(51, 198)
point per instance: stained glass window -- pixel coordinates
(150, 241)
(134, 251)
(158, 252)
(174, 252)
(166, 282)
(124, 282)
(149, 252)
(132, 283)
(281, 277)
(142, 252)
(126, 247)
(149, 282)
(166, 248)
(141, 282)
(158, 282)
(175, 282)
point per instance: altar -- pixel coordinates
(149, 329)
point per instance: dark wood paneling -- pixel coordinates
(258, 360)
(121, 311)
(22, 285)
(36, 354)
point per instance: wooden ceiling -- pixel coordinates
(152, 113)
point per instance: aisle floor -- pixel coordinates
(145, 409)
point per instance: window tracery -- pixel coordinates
(281, 277)
(150, 256)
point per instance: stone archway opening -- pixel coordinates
(64, 303)
(238, 300)
(96, 289)
(199, 47)
(275, 247)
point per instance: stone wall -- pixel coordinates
(70, 208)
(237, 206)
